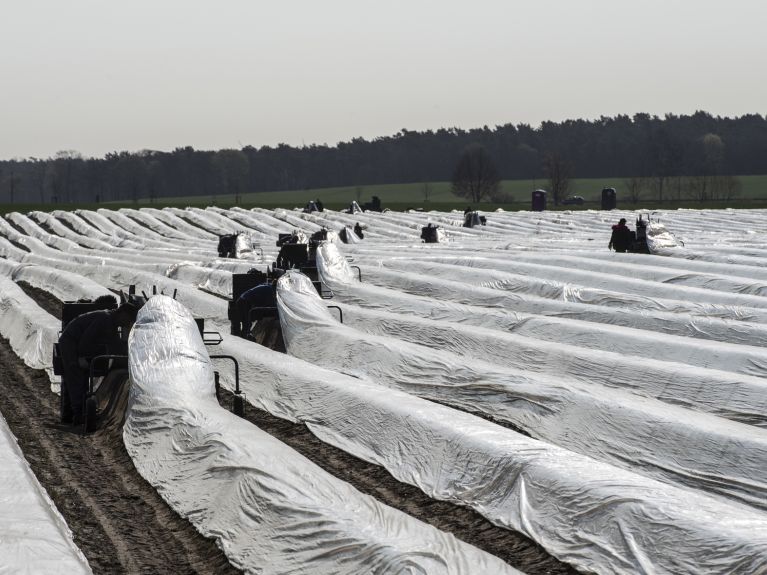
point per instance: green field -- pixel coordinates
(404, 196)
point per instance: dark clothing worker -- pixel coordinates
(85, 337)
(621, 238)
(358, 231)
(261, 296)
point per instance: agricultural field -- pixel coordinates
(402, 196)
(513, 399)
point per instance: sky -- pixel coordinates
(98, 76)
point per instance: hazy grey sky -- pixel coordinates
(100, 75)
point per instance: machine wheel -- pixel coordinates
(91, 414)
(238, 407)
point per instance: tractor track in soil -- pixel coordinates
(129, 529)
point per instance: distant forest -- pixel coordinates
(639, 146)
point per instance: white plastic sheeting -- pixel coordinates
(320, 397)
(30, 330)
(270, 509)
(63, 285)
(657, 439)
(567, 502)
(34, 538)
(703, 381)
(659, 239)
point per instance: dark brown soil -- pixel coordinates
(118, 520)
(45, 300)
(466, 524)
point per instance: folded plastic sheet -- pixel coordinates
(34, 538)
(659, 239)
(645, 435)
(270, 509)
(351, 237)
(30, 330)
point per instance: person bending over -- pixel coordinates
(91, 334)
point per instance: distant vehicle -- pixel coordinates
(573, 201)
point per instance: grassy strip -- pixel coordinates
(400, 197)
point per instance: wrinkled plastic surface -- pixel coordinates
(718, 250)
(568, 516)
(270, 509)
(659, 239)
(34, 538)
(30, 330)
(657, 438)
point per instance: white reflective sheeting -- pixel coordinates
(270, 509)
(556, 497)
(34, 538)
(30, 330)
(656, 438)
(243, 246)
(63, 285)
(659, 239)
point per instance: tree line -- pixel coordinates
(653, 153)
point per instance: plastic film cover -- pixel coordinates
(30, 330)
(34, 538)
(654, 438)
(270, 509)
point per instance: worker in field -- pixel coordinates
(320, 205)
(358, 231)
(621, 238)
(101, 332)
(255, 304)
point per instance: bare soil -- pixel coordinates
(118, 520)
(45, 300)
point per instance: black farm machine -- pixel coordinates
(472, 219)
(253, 309)
(106, 395)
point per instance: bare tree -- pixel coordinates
(634, 188)
(501, 196)
(558, 171)
(426, 191)
(699, 188)
(475, 176)
(727, 188)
